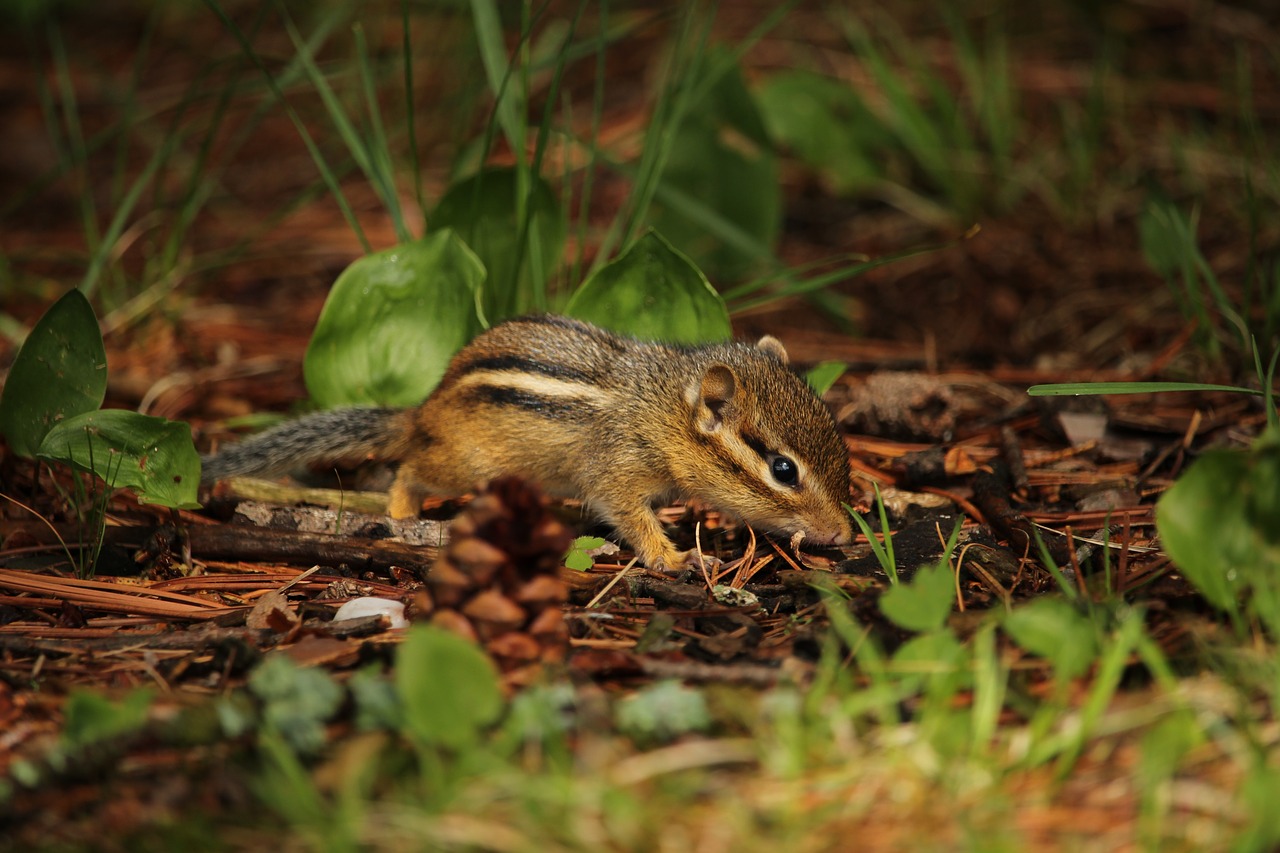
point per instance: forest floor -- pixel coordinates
(209, 324)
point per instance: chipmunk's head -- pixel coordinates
(765, 447)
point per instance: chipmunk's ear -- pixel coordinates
(774, 347)
(712, 397)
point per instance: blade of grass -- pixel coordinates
(537, 264)
(73, 152)
(1070, 590)
(934, 143)
(990, 684)
(1090, 388)
(688, 89)
(508, 102)
(1106, 680)
(376, 147)
(597, 114)
(101, 253)
(128, 112)
(882, 550)
(674, 97)
(797, 287)
(278, 93)
(200, 177)
(362, 151)
(410, 112)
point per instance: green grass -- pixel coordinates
(981, 744)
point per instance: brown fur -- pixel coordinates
(618, 422)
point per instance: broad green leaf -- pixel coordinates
(722, 157)
(828, 126)
(153, 456)
(924, 603)
(60, 372)
(448, 687)
(1219, 521)
(822, 376)
(653, 291)
(1053, 629)
(392, 322)
(485, 211)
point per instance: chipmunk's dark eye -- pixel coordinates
(784, 470)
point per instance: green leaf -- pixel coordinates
(828, 126)
(653, 291)
(297, 701)
(448, 687)
(663, 711)
(822, 376)
(485, 210)
(60, 372)
(1078, 388)
(1167, 237)
(924, 603)
(1165, 746)
(932, 660)
(392, 322)
(377, 703)
(721, 156)
(90, 717)
(1053, 629)
(1219, 521)
(579, 556)
(153, 456)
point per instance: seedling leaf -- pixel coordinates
(579, 557)
(924, 603)
(392, 322)
(448, 688)
(153, 456)
(60, 372)
(653, 291)
(1053, 629)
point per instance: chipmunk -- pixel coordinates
(618, 422)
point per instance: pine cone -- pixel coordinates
(497, 583)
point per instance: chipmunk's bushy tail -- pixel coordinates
(336, 435)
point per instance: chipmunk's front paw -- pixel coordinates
(689, 561)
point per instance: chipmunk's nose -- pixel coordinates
(829, 535)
